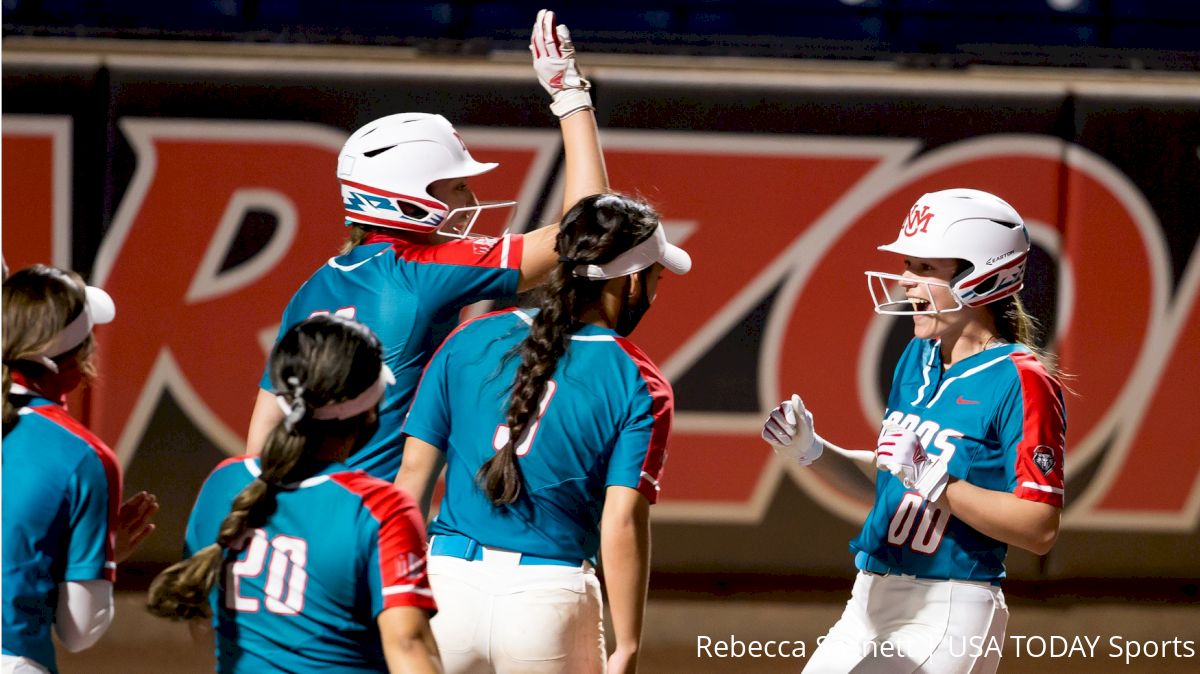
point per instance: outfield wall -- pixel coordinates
(199, 190)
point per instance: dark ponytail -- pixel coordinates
(595, 231)
(320, 361)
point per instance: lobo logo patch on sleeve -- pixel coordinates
(1043, 456)
(410, 565)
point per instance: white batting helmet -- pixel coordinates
(386, 167)
(971, 225)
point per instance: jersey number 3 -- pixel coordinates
(286, 577)
(500, 438)
(344, 312)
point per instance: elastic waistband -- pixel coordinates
(465, 547)
(874, 567)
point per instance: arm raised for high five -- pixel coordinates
(554, 62)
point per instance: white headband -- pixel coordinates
(654, 248)
(346, 409)
(98, 309)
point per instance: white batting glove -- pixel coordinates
(901, 454)
(789, 430)
(554, 63)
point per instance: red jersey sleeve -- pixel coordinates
(1041, 449)
(403, 580)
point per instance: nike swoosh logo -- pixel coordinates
(963, 401)
(351, 267)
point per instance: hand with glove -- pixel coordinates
(789, 429)
(554, 63)
(901, 454)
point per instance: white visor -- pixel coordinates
(346, 409)
(98, 309)
(655, 248)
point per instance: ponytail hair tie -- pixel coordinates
(292, 404)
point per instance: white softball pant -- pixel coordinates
(15, 664)
(901, 624)
(495, 615)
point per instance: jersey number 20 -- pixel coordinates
(500, 439)
(286, 577)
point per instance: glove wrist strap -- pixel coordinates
(569, 101)
(933, 482)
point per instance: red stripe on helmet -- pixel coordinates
(1019, 259)
(395, 224)
(385, 193)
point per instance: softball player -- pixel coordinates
(63, 531)
(554, 428)
(970, 454)
(405, 185)
(295, 594)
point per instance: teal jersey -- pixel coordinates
(604, 420)
(61, 492)
(401, 290)
(304, 592)
(999, 418)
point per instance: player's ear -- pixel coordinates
(634, 290)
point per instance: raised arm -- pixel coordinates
(554, 63)
(586, 172)
(625, 551)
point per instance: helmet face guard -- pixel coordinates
(459, 222)
(976, 227)
(890, 299)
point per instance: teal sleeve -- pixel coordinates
(89, 551)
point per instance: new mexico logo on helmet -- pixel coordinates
(386, 167)
(971, 225)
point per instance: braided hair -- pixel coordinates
(320, 361)
(594, 231)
